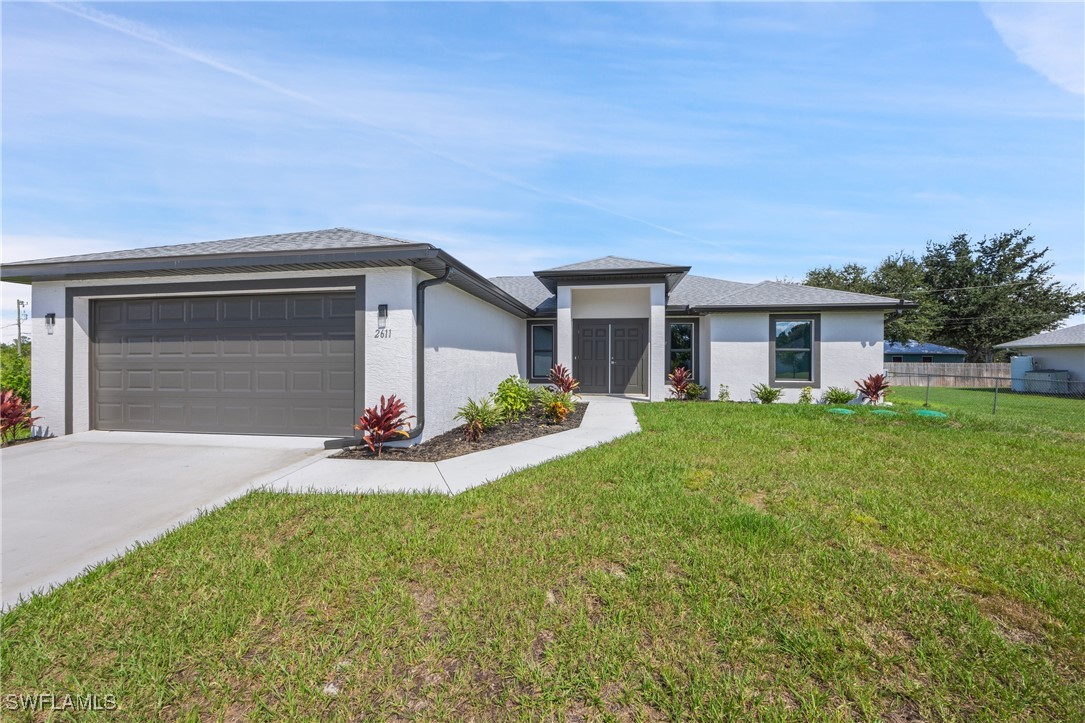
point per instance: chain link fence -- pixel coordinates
(1038, 401)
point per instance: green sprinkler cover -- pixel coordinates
(930, 413)
(837, 410)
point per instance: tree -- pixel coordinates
(972, 296)
(898, 276)
(994, 291)
(15, 369)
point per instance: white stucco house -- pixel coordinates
(1061, 349)
(295, 333)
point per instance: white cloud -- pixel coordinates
(1047, 37)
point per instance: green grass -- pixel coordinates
(731, 560)
(1014, 411)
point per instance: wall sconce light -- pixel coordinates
(50, 323)
(382, 316)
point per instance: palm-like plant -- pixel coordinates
(384, 423)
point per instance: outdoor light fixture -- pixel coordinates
(50, 323)
(382, 316)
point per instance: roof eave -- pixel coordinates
(30, 271)
(708, 308)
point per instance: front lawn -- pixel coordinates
(1013, 410)
(732, 559)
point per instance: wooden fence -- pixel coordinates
(982, 375)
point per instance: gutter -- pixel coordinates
(420, 349)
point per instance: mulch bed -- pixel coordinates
(452, 444)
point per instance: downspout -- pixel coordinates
(420, 349)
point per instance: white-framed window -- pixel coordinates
(898, 359)
(928, 360)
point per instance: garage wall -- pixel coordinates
(470, 347)
(851, 349)
(48, 351)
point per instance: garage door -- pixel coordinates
(255, 364)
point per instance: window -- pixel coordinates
(680, 346)
(541, 350)
(793, 350)
(898, 359)
(928, 360)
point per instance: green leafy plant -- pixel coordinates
(873, 388)
(556, 406)
(724, 393)
(766, 394)
(680, 380)
(479, 417)
(837, 395)
(14, 415)
(695, 391)
(563, 381)
(806, 396)
(515, 397)
(15, 369)
(384, 423)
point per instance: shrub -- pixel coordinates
(480, 416)
(556, 406)
(384, 423)
(725, 393)
(873, 388)
(695, 390)
(515, 397)
(680, 380)
(15, 370)
(563, 381)
(14, 415)
(837, 395)
(766, 394)
(806, 396)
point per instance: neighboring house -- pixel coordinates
(1062, 349)
(296, 333)
(914, 352)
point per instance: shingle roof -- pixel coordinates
(610, 263)
(529, 291)
(1070, 336)
(332, 238)
(699, 290)
(914, 347)
(778, 294)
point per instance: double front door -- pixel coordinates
(611, 355)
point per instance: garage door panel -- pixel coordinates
(259, 364)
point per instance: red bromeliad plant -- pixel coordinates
(563, 381)
(680, 380)
(14, 415)
(384, 423)
(873, 388)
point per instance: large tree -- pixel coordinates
(971, 295)
(993, 291)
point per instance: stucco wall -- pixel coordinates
(1070, 358)
(606, 302)
(851, 349)
(470, 347)
(47, 356)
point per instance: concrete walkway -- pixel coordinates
(606, 418)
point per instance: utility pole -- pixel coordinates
(19, 304)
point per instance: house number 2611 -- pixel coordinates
(382, 334)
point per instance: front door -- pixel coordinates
(611, 356)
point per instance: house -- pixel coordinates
(296, 333)
(913, 351)
(1062, 349)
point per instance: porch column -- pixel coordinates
(657, 333)
(564, 330)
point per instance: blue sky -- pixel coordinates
(751, 141)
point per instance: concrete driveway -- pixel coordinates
(76, 501)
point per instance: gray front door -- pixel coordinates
(252, 364)
(611, 355)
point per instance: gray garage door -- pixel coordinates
(256, 364)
